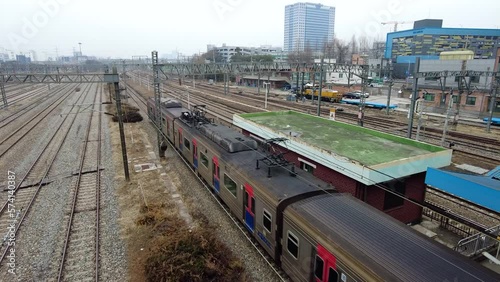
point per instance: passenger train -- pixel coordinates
(312, 232)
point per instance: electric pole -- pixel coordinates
(157, 93)
(493, 103)
(320, 85)
(120, 124)
(413, 98)
(2, 89)
(391, 84)
(448, 112)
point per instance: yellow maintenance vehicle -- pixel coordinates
(328, 95)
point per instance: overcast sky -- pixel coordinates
(125, 28)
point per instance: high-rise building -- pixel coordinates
(308, 24)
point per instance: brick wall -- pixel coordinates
(407, 213)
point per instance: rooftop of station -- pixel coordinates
(368, 147)
(369, 156)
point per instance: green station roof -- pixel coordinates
(366, 146)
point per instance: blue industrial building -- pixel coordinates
(308, 25)
(428, 39)
(478, 189)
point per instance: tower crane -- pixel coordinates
(396, 24)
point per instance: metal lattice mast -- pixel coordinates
(2, 89)
(156, 87)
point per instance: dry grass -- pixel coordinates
(176, 253)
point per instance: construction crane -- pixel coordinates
(396, 24)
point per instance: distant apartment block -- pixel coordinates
(308, 24)
(228, 51)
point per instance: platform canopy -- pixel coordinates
(365, 155)
(483, 190)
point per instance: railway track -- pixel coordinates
(12, 139)
(80, 255)
(27, 108)
(14, 214)
(487, 149)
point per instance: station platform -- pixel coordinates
(483, 190)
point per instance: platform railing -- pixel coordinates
(478, 243)
(456, 227)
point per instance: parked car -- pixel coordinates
(355, 95)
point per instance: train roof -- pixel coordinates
(390, 248)
(280, 185)
(228, 138)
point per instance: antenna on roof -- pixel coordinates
(275, 160)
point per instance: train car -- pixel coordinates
(343, 239)
(243, 177)
(312, 232)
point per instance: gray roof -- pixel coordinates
(390, 248)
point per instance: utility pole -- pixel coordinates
(419, 113)
(318, 112)
(448, 112)
(2, 89)
(391, 84)
(364, 81)
(493, 103)
(302, 85)
(461, 83)
(267, 94)
(156, 86)
(225, 83)
(120, 124)
(413, 98)
(258, 82)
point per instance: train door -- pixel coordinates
(215, 174)
(180, 139)
(249, 201)
(325, 266)
(195, 154)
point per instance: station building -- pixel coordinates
(370, 165)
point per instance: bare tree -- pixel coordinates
(364, 44)
(301, 56)
(329, 49)
(353, 47)
(342, 51)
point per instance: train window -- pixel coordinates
(266, 220)
(204, 160)
(187, 144)
(245, 200)
(230, 184)
(292, 245)
(318, 268)
(333, 276)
